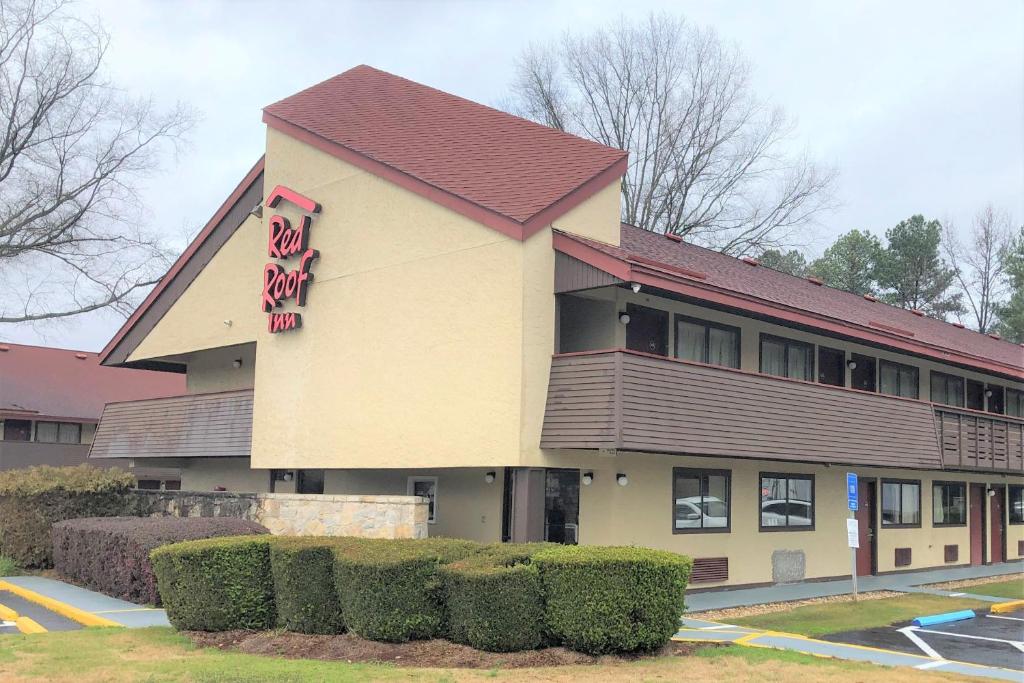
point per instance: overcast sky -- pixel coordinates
(919, 105)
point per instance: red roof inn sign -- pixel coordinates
(286, 242)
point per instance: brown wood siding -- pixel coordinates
(195, 425)
(573, 275)
(973, 441)
(662, 405)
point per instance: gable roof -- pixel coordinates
(41, 382)
(666, 263)
(509, 173)
(221, 226)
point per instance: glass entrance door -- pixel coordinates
(562, 506)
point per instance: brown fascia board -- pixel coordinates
(218, 230)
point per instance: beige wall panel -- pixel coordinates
(467, 506)
(228, 288)
(597, 218)
(234, 474)
(213, 370)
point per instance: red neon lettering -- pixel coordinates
(284, 241)
(281, 192)
(279, 322)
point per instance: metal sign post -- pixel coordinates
(852, 530)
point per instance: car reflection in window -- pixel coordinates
(692, 510)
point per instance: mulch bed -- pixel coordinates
(421, 653)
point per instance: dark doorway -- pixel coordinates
(996, 400)
(866, 516)
(647, 330)
(831, 366)
(862, 376)
(997, 538)
(562, 506)
(977, 524)
(506, 505)
(310, 481)
(975, 395)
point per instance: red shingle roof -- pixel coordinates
(645, 249)
(45, 382)
(507, 165)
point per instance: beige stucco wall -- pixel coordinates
(751, 329)
(467, 506)
(234, 474)
(213, 369)
(597, 218)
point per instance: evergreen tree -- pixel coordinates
(792, 261)
(1011, 313)
(912, 274)
(850, 262)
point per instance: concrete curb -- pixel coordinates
(1011, 606)
(63, 609)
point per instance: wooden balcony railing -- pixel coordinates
(972, 440)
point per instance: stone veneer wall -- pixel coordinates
(297, 514)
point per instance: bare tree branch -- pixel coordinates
(72, 148)
(979, 264)
(707, 158)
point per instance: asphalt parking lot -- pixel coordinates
(987, 639)
(51, 621)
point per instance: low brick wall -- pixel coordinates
(297, 514)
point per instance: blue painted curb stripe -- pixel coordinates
(944, 618)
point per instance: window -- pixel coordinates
(707, 342)
(831, 366)
(1016, 504)
(58, 432)
(1015, 402)
(947, 389)
(700, 500)
(17, 430)
(787, 502)
(309, 481)
(897, 379)
(787, 358)
(427, 488)
(862, 373)
(901, 503)
(949, 503)
(975, 395)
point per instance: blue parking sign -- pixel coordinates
(851, 491)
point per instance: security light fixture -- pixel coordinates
(227, 323)
(635, 287)
(257, 211)
(988, 393)
(588, 478)
(624, 318)
(489, 477)
(621, 479)
(236, 363)
(852, 364)
(287, 476)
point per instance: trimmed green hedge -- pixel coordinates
(217, 584)
(303, 569)
(33, 499)
(391, 590)
(612, 599)
(494, 599)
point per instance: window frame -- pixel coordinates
(30, 431)
(813, 369)
(787, 476)
(701, 472)
(1006, 401)
(940, 525)
(707, 324)
(947, 376)
(1019, 488)
(882, 362)
(410, 487)
(881, 503)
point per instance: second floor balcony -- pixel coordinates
(628, 400)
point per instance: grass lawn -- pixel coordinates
(1011, 590)
(159, 654)
(834, 617)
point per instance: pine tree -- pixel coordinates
(850, 263)
(1011, 313)
(912, 274)
(792, 261)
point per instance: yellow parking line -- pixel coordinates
(1011, 606)
(7, 614)
(28, 626)
(73, 613)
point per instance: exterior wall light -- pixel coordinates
(624, 318)
(852, 364)
(227, 323)
(257, 211)
(489, 478)
(622, 479)
(236, 363)
(287, 476)
(635, 287)
(988, 393)
(588, 478)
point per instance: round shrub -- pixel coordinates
(32, 499)
(612, 599)
(390, 590)
(304, 591)
(217, 584)
(494, 599)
